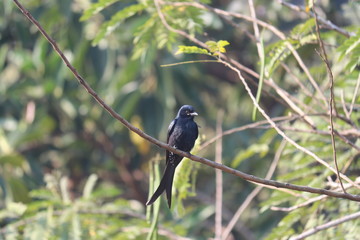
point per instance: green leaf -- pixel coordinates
(109, 26)
(96, 8)
(261, 149)
(221, 45)
(351, 49)
(19, 190)
(212, 46)
(261, 79)
(191, 49)
(64, 190)
(303, 29)
(156, 206)
(89, 186)
(17, 208)
(217, 47)
(75, 227)
(14, 160)
(106, 190)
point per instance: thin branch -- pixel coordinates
(331, 184)
(280, 132)
(254, 193)
(332, 105)
(205, 161)
(276, 31)
(326, 22)
(341, 135)
(256, 28)
(289, 209)
(302, 87)
(218, 179)
(245, 127)
(327, 225)
(265, 125)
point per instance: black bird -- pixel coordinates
(182, 134)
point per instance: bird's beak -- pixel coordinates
(193, 114)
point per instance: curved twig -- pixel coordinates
(332, 104)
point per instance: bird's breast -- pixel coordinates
(184, 135)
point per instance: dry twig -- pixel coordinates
(325, 226)
(332, 105)
(326, 22)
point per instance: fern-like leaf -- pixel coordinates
(303, 29)
(351, 49)
(96, 8)
(192, 49)
(109, 26)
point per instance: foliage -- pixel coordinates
(68, 170)
(351, 49)
(192, 49)
(215, 48)
(52, 214)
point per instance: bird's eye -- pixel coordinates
(187, 112)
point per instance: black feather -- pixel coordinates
(182, 134)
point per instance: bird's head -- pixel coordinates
(187, 111)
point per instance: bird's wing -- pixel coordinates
(170, 131)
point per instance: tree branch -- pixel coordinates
(327, 225)
(326, 22)
(332, 105)
(205, 161)
(276, 31)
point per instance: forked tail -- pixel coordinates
(165, 185)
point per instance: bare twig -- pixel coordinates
(254, 193)
(325, 226)
(280, 132)
(265, 124)
(289, 209)
(276, 31)
(302, 87)
(219, 179)
(331, 184)
(205, 161)
(327, 23)
(256, 28)
(245, 127)
(332, 105)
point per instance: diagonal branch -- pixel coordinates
(230, 63)
(327, 225)
(326, 22)
(163, 145)
(273, 29)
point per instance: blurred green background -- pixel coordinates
(53, 135)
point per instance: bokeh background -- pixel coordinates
(54, 136)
